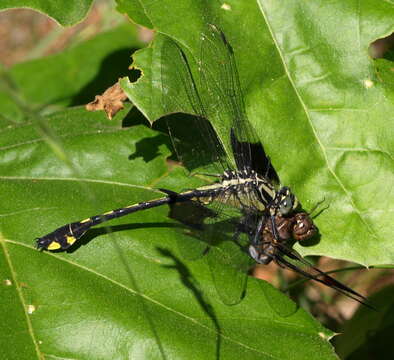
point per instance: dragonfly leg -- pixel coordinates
(316, 207)
(274, 230)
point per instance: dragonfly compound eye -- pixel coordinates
(285, 201)
(286, 204)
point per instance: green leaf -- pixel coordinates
(135, 11)
(313, 95)
(66, 12)
(127, 293)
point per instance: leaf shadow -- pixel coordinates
(113, 67)
(191, 283)
(148, 148)
(92, 234)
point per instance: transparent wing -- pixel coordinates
(227, 140)
(181, 95)
(194, 138)
(228, 261)
(210, 230)
(204, 224)
(223, 99)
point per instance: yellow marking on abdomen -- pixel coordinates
(85, 221)
(54, 246)
(70, 239)
(108, 212)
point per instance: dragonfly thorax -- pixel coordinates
(249, 188)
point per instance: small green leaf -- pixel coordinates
(135, 11)
(66, 12)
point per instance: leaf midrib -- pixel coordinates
(305, 109)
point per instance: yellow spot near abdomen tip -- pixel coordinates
(54, 246)
(85, 221)
(108, 212)
(70, 239)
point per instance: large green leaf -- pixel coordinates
(130, 289)
(127, 293)
(315, 99)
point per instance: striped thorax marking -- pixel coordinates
(251, 185)
(239, 188)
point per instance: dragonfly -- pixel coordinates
(246, 202)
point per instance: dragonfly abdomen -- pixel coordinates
(65, 236)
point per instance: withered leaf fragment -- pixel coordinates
(111, 101)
